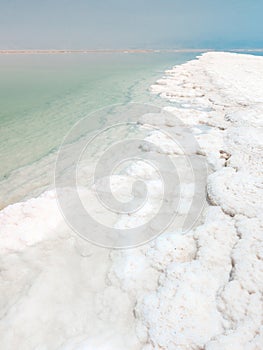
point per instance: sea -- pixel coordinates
(42, 96)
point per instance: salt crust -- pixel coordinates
(202, 290)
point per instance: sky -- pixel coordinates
(117, 24)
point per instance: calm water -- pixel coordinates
(42, 96)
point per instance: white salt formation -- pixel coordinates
(201, 290)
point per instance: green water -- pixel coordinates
(42, 96)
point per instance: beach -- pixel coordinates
(197, 290)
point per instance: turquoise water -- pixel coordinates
(42, 96)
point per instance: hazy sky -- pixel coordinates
(130, 24)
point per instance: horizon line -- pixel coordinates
(68, 51)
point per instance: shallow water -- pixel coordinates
(43, 96)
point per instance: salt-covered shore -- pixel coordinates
(201, 290)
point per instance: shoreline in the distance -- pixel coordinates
(119, 51)
(68, 51)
